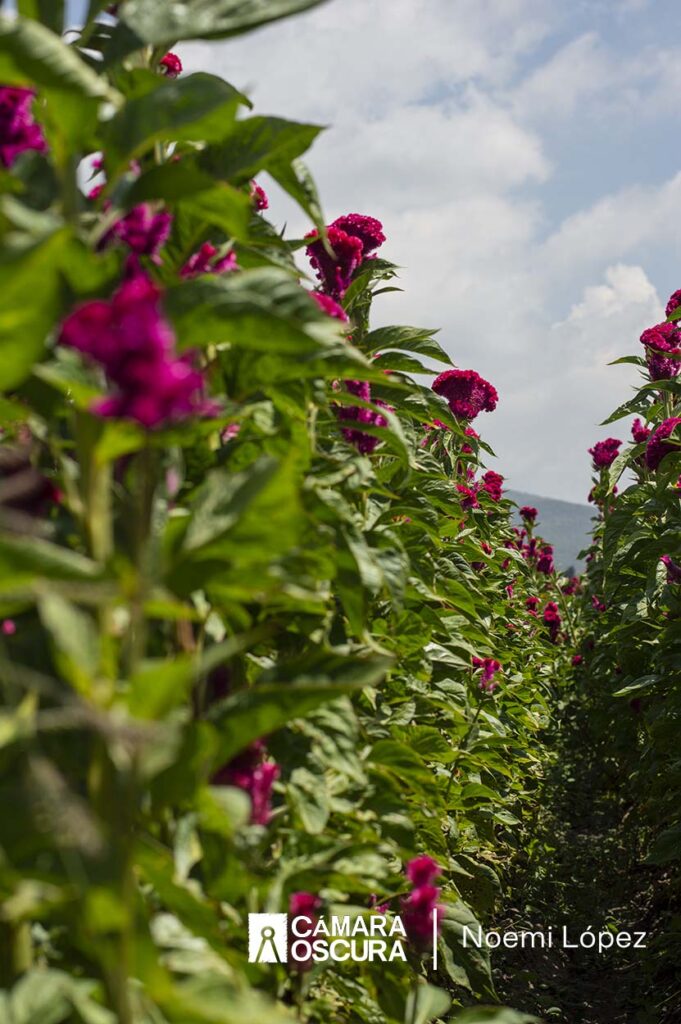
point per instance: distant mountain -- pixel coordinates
(562, 523)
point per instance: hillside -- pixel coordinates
(565, 524)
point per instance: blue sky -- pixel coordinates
(522, 156)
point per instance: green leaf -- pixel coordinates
(199, 107)
(256, 144)
(294, 178)
(74, 637)
(26, 559)
(145, 22)
(426, 1003)
(407, 339)
(49, 12)
(667, 847)
(32, 55)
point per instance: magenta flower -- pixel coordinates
(577, 660)
(8, 627)
(572, 586)
(673, 570)
(528, 513)
(204, 261)
(171, 65)
(256, 776)
(552, 620)
(673, 303)
(420, 913)
(19, 131)
(598, 605)
(129, 337)
(490, 667)
(360, 416)
(259, 197)
(660, 443)
(303, 905)
(545, 561)
(469, 496)
(605, 452)
(142, 230)
(639, 431)
(330, 306)
(531, 604)
(662, 343)
(335, 272)
(466, 392)
(492, 483)
(422, 870)
(368, 230)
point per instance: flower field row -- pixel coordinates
(269, 640)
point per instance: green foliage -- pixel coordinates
(173, 595)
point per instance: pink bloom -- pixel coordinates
(577, 660)
(660, 443)
(360, 416)
(466, 449)
(528, 513)
(597, 604)
(605, 452)
(422, 870)
(673, 303)
(420, 913)
(531, 604)
(304, 905)
(249, 771)
(545, 560)
(662, 342)
(639, 431)
(552, 620)
(572, 586)
(129, 337)
(466, 392)
(335, 272)
(469, 496)
(142, 230)
(203, 261)
(367, 229)
(259, 197)
(330, 306)
(231, 431)
(490, 667)
(19, 131)
(8, 627)
(171, 65)
(491, 482)
(673, 570)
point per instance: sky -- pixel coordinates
(522, 157)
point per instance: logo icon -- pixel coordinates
(267, 938)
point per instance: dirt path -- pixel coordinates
(585, 870)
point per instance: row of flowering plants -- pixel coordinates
(631, 644)
(268, 640)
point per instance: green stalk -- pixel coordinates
(16, 951)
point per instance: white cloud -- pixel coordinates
(443, 114)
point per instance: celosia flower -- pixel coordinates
(335, 272)
(552, 620)
(660, 443)
(545, 560)
(469, 496)
(467, 393)
(491, 482)
(259, 197)
(330, 306)
(143, 230)
(572, 586)
(531, 604)
(171, 65)
(249, 771)
(361, 417)
(605, 452)
(662, 343)
(673, 570)
(673, 303)
(577, 660)
(303, 905)
(134, 344)
(367, 229)
(528, 513)
(639, 431)
(422, 870)
(490, 667)
(421, 914)
(8, 627)
(597, 604)
(466, 449)
(204, 261)
(19, 131)
(231, 431)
